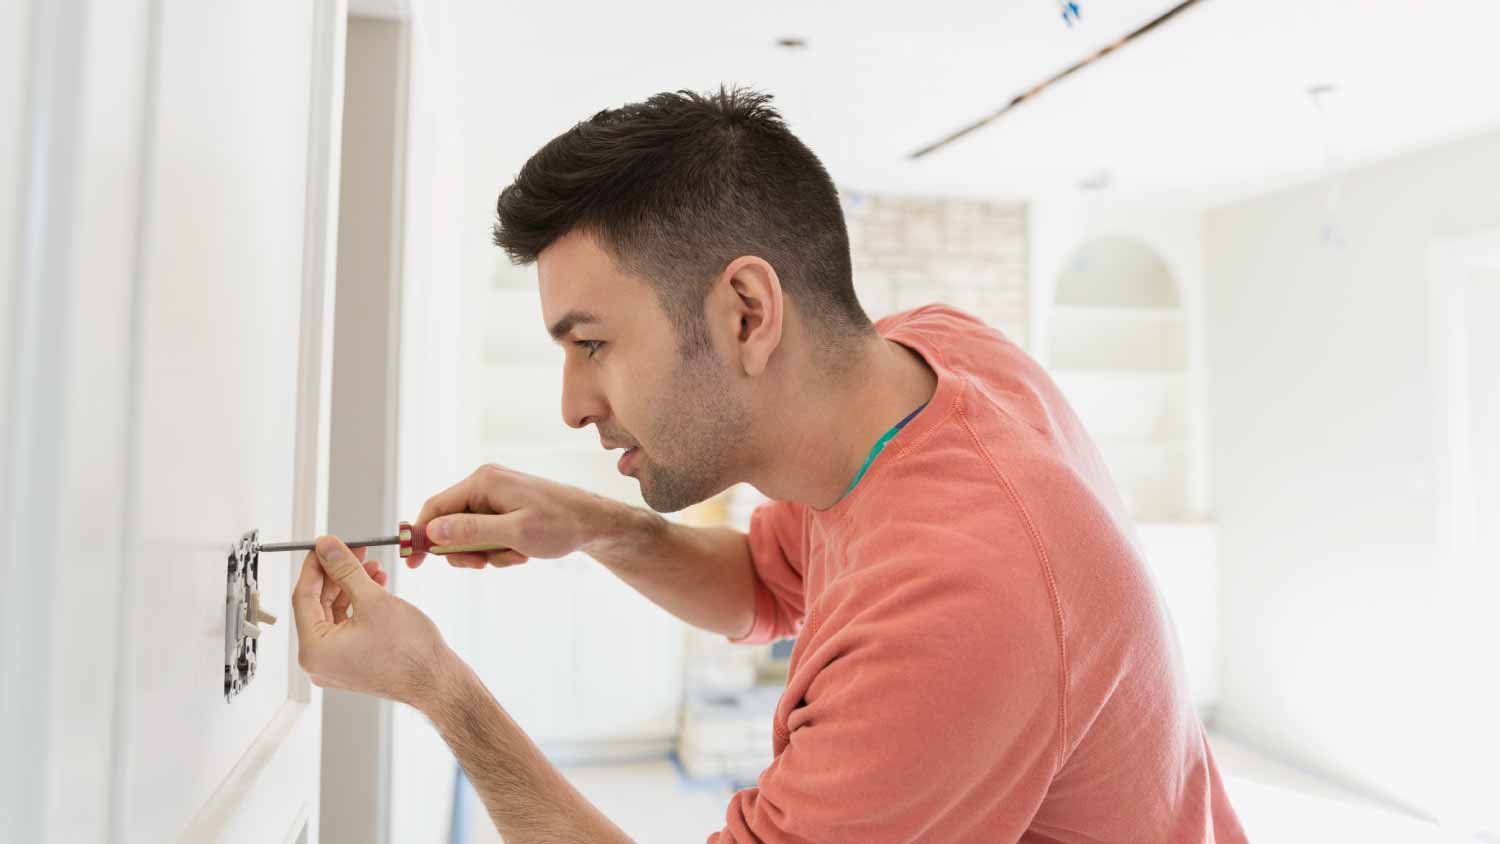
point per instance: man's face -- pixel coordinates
(681, 419)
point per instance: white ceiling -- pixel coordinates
(1209, 108)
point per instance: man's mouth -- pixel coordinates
(628, 460)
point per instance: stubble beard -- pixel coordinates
(703, 423)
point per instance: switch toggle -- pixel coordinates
(256, 612)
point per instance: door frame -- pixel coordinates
(1450, 263)
(358, 730)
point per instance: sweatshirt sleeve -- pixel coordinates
(925, 695)
(777, 560)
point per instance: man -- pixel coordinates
(980, 654)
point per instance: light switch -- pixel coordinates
(243, 614)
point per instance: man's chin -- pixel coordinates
(669, 499)
(662, 504)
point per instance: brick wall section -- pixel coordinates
(910, 251)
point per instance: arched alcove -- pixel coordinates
(1119, 349)
(1117, 271)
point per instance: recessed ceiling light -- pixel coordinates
(791, 43)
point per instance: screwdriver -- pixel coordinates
(410, 539)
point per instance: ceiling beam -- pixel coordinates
(1034, 90)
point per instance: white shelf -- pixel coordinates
(1130, 343)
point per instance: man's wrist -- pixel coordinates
(447, 682)
(615, 527)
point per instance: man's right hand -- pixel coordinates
(531, 516)
(702, 575)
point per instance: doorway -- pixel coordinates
(357, 729)
(1465, 306)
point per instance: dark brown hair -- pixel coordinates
(676, 187)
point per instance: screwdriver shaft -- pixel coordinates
(411, 539)
(308, 546)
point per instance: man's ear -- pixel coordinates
(756, 305)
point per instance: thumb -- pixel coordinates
(345, 568)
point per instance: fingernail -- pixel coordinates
(328, 548)
(436, 532)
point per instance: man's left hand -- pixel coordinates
(354, 635)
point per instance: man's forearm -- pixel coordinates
(527, 798)
(704, 576)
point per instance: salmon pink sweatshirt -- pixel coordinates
(981, 654)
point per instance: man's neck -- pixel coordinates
(825, 435)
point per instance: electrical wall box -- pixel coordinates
(243, 614)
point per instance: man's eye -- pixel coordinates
(593, 346)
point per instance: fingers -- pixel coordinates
(474, 494)
(501, 559)
(331, 593)
(474, 529)
(307, 597)
(346, 569)
(372, 568)
(466, 561)
(470, 495)
(339, 607)
(338, 602)
(498, 559)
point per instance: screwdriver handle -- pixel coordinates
(414, 540)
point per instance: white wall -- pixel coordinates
(15, 24)
(55, 776)
(1320, 394)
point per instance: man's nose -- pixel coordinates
(582, 404)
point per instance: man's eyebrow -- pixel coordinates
(561, 328)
